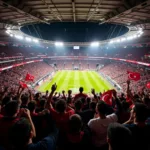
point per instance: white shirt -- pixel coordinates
(99, 127)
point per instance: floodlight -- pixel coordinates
(95, 44)
(135, 36)
(28, 39)
(19, 37)
(111, 41)
(76, 47)
(8, 31)
(130, 38)
(35, 40)
(118, 40)
(123, 39)
(141, 32)
(59, 43)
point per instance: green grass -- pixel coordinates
(66, 80)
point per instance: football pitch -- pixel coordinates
(72, 80)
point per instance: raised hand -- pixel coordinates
(69, 92)
(24, 113)
(54, 87)
(128, 82)
(63, 92)
(47, 91)
(93, 91)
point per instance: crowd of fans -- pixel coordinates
(32, 121)
(12, 76)
(132, 53)
(115, 70)
(118, 72)
(36, 121)
(72, 64)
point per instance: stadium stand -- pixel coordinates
(48, 112)
(11, 77)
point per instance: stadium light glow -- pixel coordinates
(118, 40)
(35, 40)
(135, 36)
(19, 37)
(138, 35)
(130, 38)
(141, 32)
(59, 43)
(76, 47)
(28, 39)
(95, 44)
(8, 31)
(111, 41)
(123, 39)
(11, 35)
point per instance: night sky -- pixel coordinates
(75, 32)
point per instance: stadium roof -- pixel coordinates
(16, 13)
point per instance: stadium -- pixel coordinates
(74, 74)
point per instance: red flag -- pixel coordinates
(107, 97)
(148, 85)
(29, 77)
(133, 75)
(23, 85)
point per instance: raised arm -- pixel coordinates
(64, 96)
(19, 94)
(131, 119)
(30, 94)
(26, 113)
(129, 94)
(53, 89)
(117, 101)
(95, 96)
(69, 93)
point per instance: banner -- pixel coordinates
(20, 64)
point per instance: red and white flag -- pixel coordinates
(107, 97)
(134, 76)
(29, 77)
(23, 85)
(148, 85)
